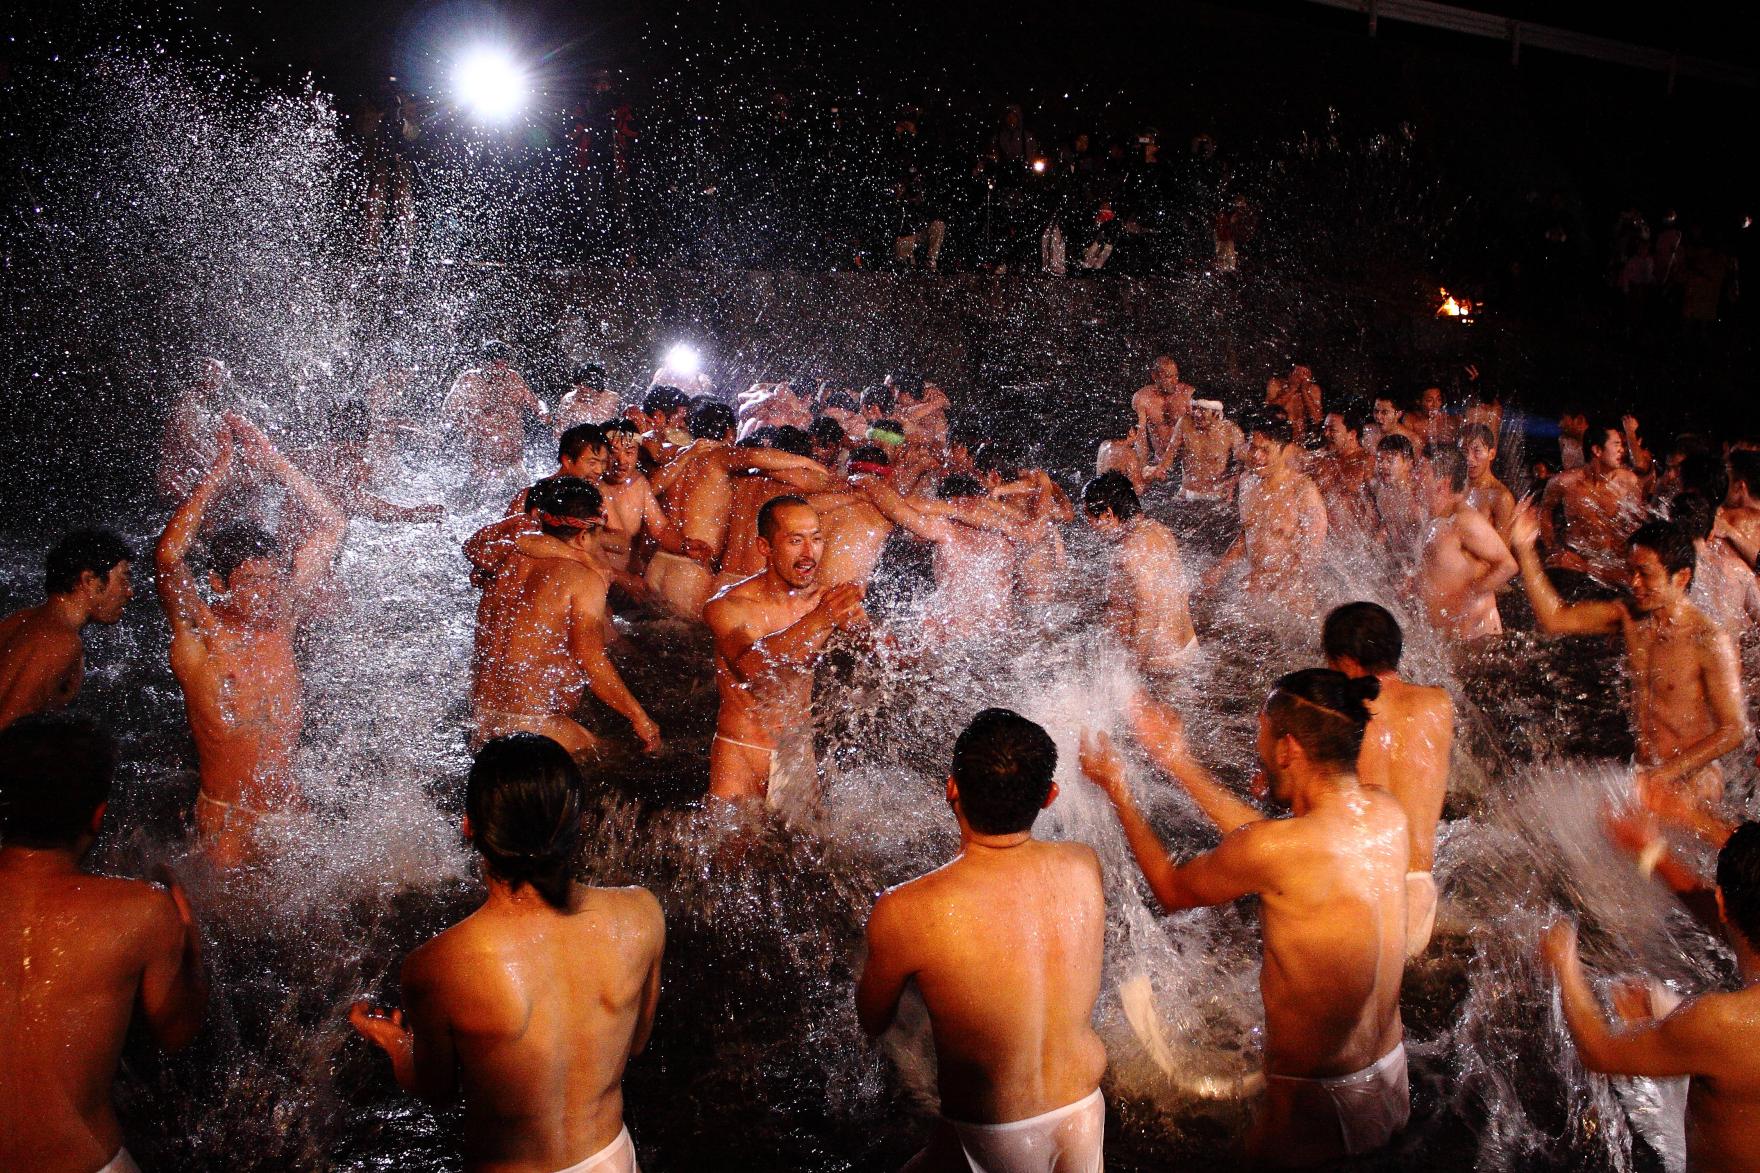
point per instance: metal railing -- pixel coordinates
(1521, 34)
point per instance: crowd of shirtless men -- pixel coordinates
(765, 519)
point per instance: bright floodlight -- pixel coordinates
(490, 84)
(684, 360)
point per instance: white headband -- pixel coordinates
(1214, 405)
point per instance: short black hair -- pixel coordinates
(1352, 414)
(1324, 711)
(1450, 464)
(1705, 472)
(495, 350)
(869, 454)
(1111, 492)
(767, 512)
(233, 545)
(993, 456)
(1599, 429)
(1694, 513)
(1366, 632)
(580, 438)
(1744, 467)
(1738, 878)
(1273, 425)
(1479, 432)
(793, 440)
(625, 426)
(566, 498)
(590, 374)
(663, 398)
(826, 431)
(1003, 765)
(54, 772)
(842, 400)
(96, 550)
(1671, 543)
(958, 485)
(1397, 443)
(879, 397)
(709, 419)
(525, 800)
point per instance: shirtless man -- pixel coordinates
(342, 466)
(587, 400)
(540, 640)
(1573, 425)
(1343, 472)
(1464, 563)
(489, 406)
(42, 657)
(1159, 404)
(186, 446)
(1738, 518)
(1388, 422)
(1299, 398)
(1485, 492)
(1146, 582)
(1206, 444)
(233, 657)
(772, 405)
(1431, 421)
(1406, 747)
(1004, 944)
(532, 1006)
(922, 407)
(1399, 502)
(1283, 523)
(1724, 585)
(1331, 883)
(1713, 1038)
(1599, 503)
(79, 954)
(1123, 454)
(696, 490)
(770, 630)
(632, 511)
(855, 532)
(1686, 688)
(1039, 506)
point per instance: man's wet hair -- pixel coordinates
(1325, 711)
(1599, 429)
(1111, 492)
(1003, 765)
(1353, 415)
(1744, 467)
(709, 419)
(1671, 543)
(525, 800)
(826, 432)
(995, 457)
(567, 498)
(588, 374)
(581, 438)
(664, 398)
(1450, 464)
(909, 385)
(495, 350)
(888, 425)
(231, 546)
(842, 401)
(1738, 878)
(96, 550)
(1273, 425)
(1397, 444)
(790, 439)
(869, 454)
(958, 485)
(55, 771)
(626, 426)
(767, 512)
(349, 422)
(1479, 432)
(1366, 632)
(880, 398)
(1705, 473)
(1694, 513)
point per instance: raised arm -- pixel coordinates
(1551, 611)
(1162, 734)
(1671, 1046)
(902, 513)
(586, 643)
(174, 581)
(313, 560)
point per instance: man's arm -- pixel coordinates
(174, 985)
(1550, 500)
(1723, 691)
(492, 545)
(902, 513)
(586, 643)
(795, 646)
(1551, 611)
(313, 560)
(1479, 538)
(1672, 1046)
(1313, 523)
(175, 583)
(886, 970)
(1162, 733)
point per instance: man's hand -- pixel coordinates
(1102, 765)
(1160, 724)
(251, 439)
(648, 734)
(385, 1031)
(1558, 948)
(697, 550)
(1524, 526)
(842, 605)
(192, 933)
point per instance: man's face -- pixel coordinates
(1386, 414)
(625, 450)
(117, 590)
(794, 545)
(1263, 452)
(1105, 523)
(1441, 494)
(1478, 458)
(1203, 419)
(590, 465)
(1431, 400)
(255, 592)
(1337, 435)
(1612, 451)
(1166, 373)
(1393, 467)
(1652, 586)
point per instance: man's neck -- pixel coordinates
(69, 611)
(977, 843)
(1319, 786)
(524, 899)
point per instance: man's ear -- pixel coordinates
(465, 829)
(1050, 797)
(214, 583)
(952, 790)
(103, 807)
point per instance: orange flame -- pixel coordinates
(1454, 307)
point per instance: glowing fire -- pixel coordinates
(1456, 307)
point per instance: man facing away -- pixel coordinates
(531, 1007)
(770, 630)
(233, 657)
(42, 657)
(587, 400)
(1332, 909)
(1712, 1039)
(1686, 689)
(79, 955)
(1004, 945)
(540, 638)
(489, 406)
(1406, 747)
(1464, 562)
(1146, 604)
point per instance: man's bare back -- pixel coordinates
(1146, 596)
